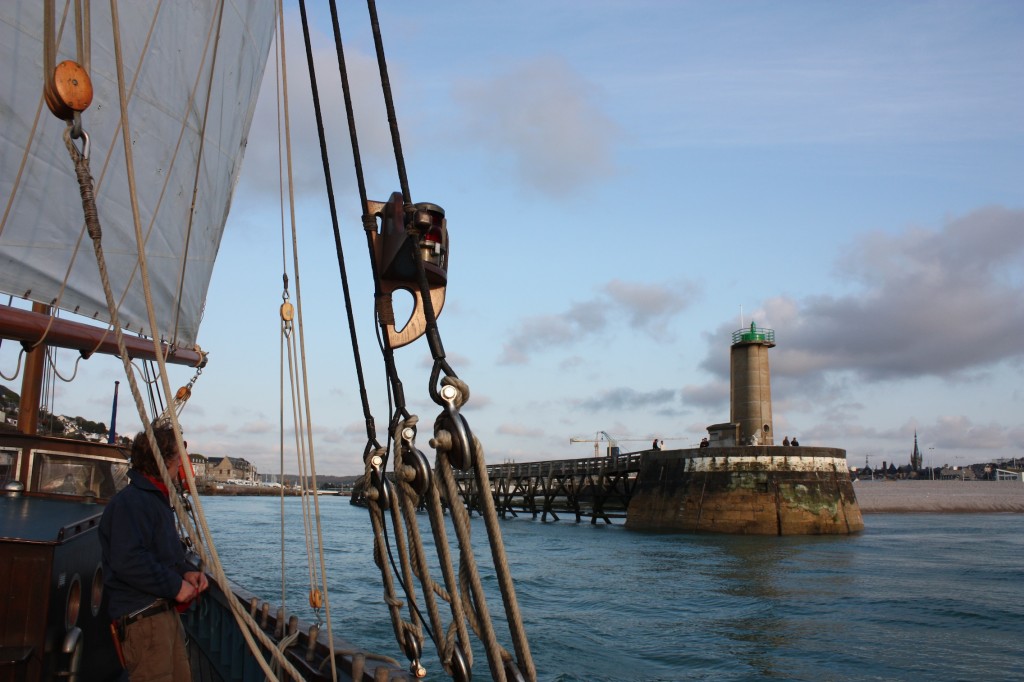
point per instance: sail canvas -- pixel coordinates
(191, 73)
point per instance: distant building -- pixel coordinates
(199, 464)
(916, 460)
(230, 468)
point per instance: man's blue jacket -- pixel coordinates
(143, 559)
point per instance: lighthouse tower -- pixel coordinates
(750, 385)
(739, 480)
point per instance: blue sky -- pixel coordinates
(624, 183)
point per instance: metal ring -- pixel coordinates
(512, 672)
(412, 457)
(412, 647)
(460, 671)
(460, 456)
(383, 486)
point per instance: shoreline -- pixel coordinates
(941, 497)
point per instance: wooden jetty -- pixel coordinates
(596, 487)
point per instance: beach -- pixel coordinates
(940, 496)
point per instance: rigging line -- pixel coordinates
(302, 346)
(284, 324)
(280, 423)
(385, 83)
(144, 51)
(49, 56)
(246, 624)
(17, 368)
(369, 227)
(47, 36)
(409, 501)
(460, 522)
(498, 554)
(371, 434)
(301, 457)
(51, 358)
(199, 161)
(405, 576)
(80, 45)
(436, 512)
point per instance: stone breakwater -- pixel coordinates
(750, 490)
(940, 496)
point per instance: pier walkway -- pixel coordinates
(598, 487)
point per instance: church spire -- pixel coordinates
(916, 460)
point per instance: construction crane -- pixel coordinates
(597, 440)
(613, 443)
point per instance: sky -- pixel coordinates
(626, 184)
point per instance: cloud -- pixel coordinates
(520, 431)
(542, 120)
(647, 307)
(945, 303)
(710, 395)
(931, 303)
(956, 432)
(619, 399)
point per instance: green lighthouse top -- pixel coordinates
(754, 334)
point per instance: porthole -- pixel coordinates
(74, 604)
(97, 590)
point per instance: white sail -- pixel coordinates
(193, 74)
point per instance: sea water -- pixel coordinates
(913, 597)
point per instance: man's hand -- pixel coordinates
(198, 580)
(186, 593)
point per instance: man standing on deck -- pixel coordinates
(144, 567)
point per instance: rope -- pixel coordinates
(247, 625)
(17, 369)
(339, 249)
(412, 558)
(51, 359)
(304, 384)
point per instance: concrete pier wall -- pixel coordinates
(758, 490)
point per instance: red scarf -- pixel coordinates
(160, 485)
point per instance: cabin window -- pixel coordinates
(8, 465)
(77, 475)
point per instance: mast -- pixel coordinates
(32, 381)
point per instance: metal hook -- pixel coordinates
(84, 136)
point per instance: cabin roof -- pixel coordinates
(44, 520)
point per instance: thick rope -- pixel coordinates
(412, 559)
(246, 624)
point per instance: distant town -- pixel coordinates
(236, 475)
(225, 475)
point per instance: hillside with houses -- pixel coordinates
(212, 474)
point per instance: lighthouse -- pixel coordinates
(750, 385)
(739, 480)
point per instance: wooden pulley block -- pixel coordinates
(69, 91)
